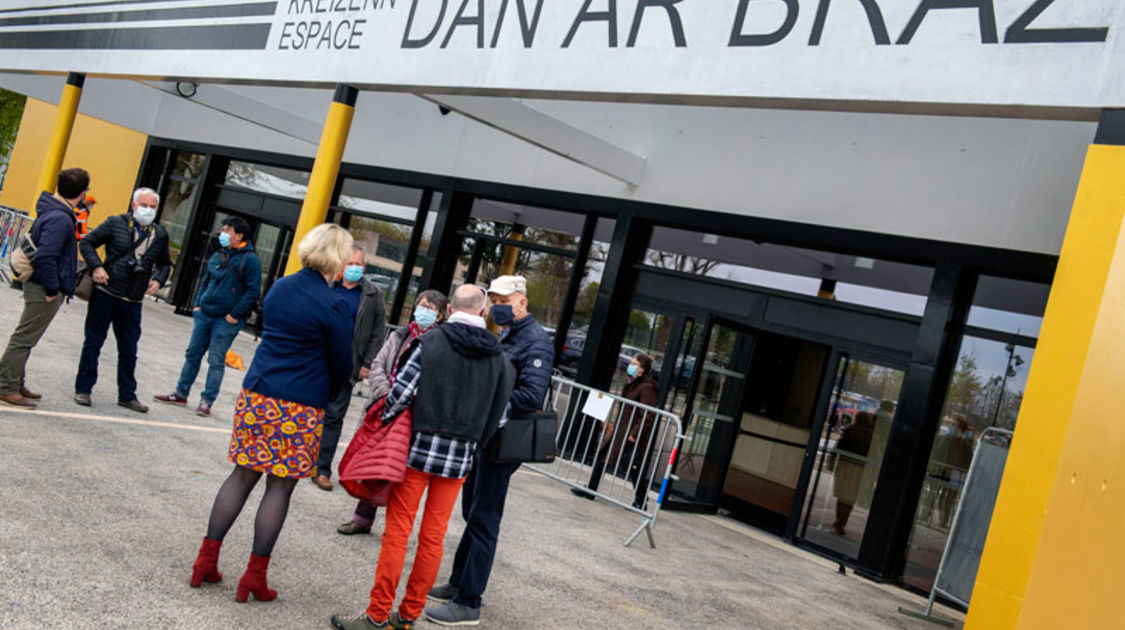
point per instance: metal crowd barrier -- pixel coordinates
(13, 224)
(629, 466)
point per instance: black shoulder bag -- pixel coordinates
(528, 438)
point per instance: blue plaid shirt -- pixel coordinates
(430, 453)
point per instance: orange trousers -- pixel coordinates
(399, 520)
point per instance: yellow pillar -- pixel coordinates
(511, 252)
(322, 180)
(60, 137)
(1052, 559)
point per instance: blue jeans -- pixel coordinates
(212, 335)
(334, 414)
(103, 310)
(482, 506)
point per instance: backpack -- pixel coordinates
(22, 258)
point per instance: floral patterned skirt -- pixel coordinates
(275, 436)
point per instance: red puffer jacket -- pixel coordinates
(376, 457)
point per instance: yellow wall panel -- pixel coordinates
(111, 153)
(1079, 570)
(1050, 408)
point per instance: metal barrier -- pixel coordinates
(613, 448)
(13, 224)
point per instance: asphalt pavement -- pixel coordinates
(102, 510)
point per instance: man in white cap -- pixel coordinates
(531, 351)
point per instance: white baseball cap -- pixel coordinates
(507, 285)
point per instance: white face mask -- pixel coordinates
(144, 214)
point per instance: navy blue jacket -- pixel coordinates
(532, 353)
(231, 284)
(56, 260)
(306, 348)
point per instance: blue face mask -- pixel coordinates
(353, 273)
(224, 239)
(424, 317)
(501, 315)
(632, 370)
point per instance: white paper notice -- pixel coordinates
(598, 405)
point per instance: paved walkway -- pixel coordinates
(102, 510)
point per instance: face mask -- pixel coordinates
(353, 273)
(224, 239)
(144, 214)
(632, 370)
(424, 317)
(502, 315)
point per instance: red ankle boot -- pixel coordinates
(254, 581)
(206, 567)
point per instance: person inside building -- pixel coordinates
(82, 216)
(429, 311)
(532, 353)
(55, 263)
(136, 264)
(304, 355)
(851, 461)
(629, 443)
(457, 383)
(365, 301)
(231, 285)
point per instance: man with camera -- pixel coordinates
(136, 264)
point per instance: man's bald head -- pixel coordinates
(468, 298)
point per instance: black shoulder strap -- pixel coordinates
(136, 244)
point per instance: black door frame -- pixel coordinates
(824, 401)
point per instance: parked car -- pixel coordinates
(572, 350)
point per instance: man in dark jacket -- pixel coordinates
(532, 353)
(227, 294)
(55, 268)
(136, 264)
(365, 302)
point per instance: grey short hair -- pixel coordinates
(469, 298)
(145, 191)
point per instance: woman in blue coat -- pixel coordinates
(305, 353)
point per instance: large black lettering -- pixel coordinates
(985, 11)
(673, 19)
(407, 42)
(462, 20)
(586, 15)
(739, 38)
(1019, 33)
(527, 28)
(874, 18)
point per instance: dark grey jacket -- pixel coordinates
(370, 328)
(127, 281)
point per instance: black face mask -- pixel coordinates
(501, 315)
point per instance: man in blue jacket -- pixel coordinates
(532, 353)
(56, 262)
(230, 288)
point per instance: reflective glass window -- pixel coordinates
(274, 180)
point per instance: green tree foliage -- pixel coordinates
(11, 112)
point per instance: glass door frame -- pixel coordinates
(709, 321)
(794, 530)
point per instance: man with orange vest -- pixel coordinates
(82, 214)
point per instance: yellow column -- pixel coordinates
(1052, 559)
(322, 180)
(511, 252)
(60, 137)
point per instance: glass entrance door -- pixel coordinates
(850, 453)
(752, 407)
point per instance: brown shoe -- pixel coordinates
(16, 400)
(323, 482)
(28, 394)
(133, 405)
